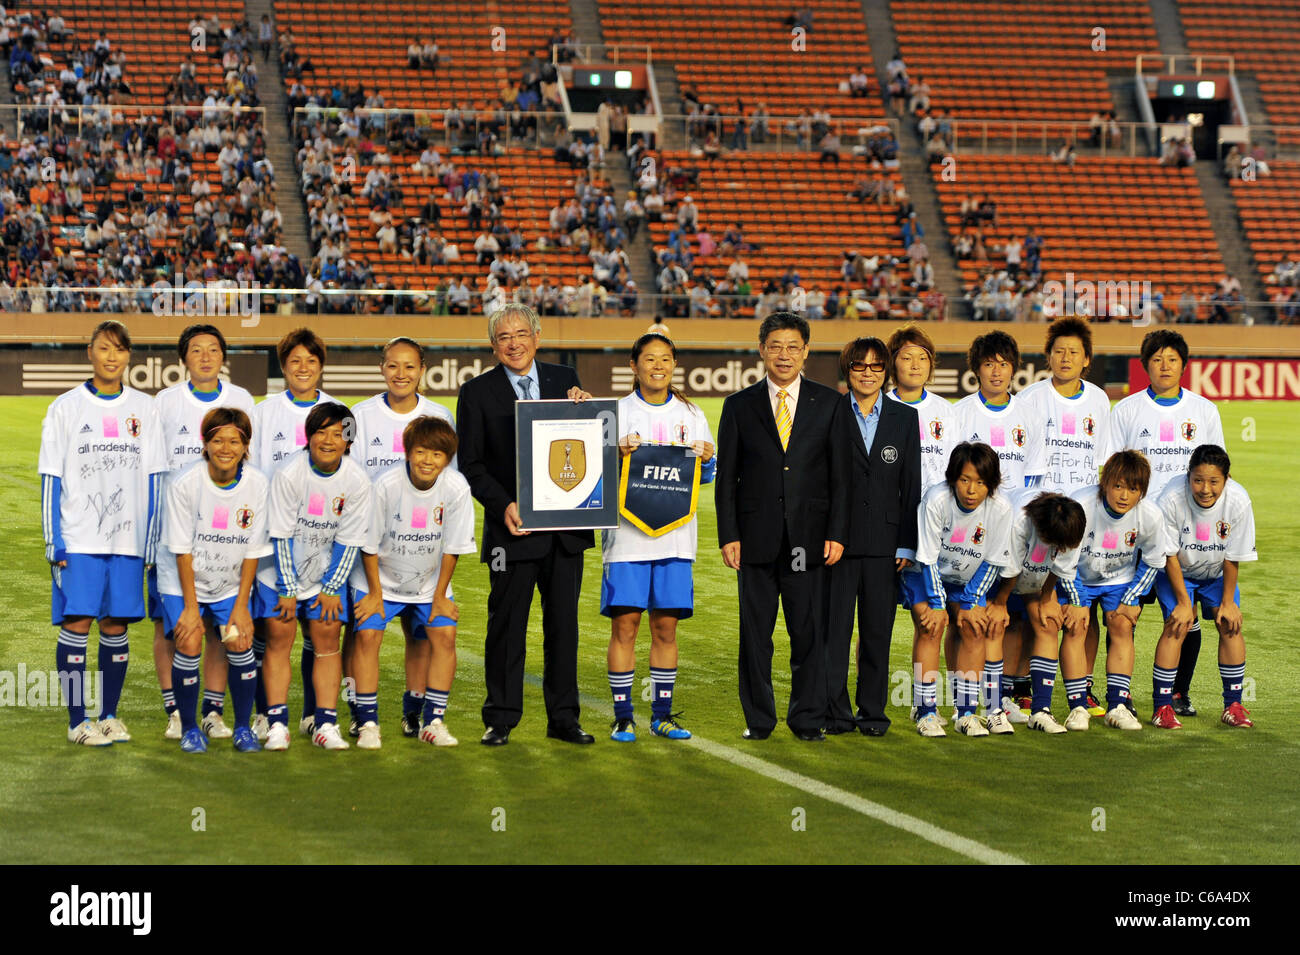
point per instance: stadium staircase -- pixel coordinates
(586, 22)
(1234, 244)
(670, 100)
(640, 253)
(1169, 28)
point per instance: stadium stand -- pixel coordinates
(1270, 208)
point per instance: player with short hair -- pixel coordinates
(320, 512)
(101, 464)
(216, 530)
(180, 409)
(423, 519)
(645, 572)
(1208, 517)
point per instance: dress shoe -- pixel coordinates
(838, 729)
(496, 736)
(810, 736)
(569, 734)
(871, 729)
(755, 734)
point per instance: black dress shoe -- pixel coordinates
(1182, 704)
(810, 736)
(873, 730)
(755, 734)
(569, 734)
(496, 736)
(838, 729)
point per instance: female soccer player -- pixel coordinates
(963, 540)
(180, 410)
(378, 447)
(101, 465)
(216, 529)
(1124, 547)
(423, 519)
(319, 516)
(1209, 519)
(651, 572)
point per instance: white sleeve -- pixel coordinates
(257, 451)
(53, 437)
(1241, 546)
(1036, 457)
(178, 517)
(259, 543)
(155, 448)
(1018, 542)
(458, 524)
(1153, 538)
(1117, 437)
(357, 452)
(378, 519)
(929, 529)
(1065, 565)
(1214, 426)
(283, 520)
(354, 528)
(998, 553)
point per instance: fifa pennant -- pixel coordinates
(659, 488)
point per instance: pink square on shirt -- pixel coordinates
(1202, 531)
(1039, 554)
(419, 517)
(997, 437)
(398, 447)
(300, 433)
(1166, 431)
(220, 518)
(924, 433)
(958, 535)
(1110, 540)
(110, 426)
(1067, 423)
(316, 504)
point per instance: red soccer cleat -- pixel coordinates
(1166, 719)
(1237, 715)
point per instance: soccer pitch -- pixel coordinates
(1204, 794)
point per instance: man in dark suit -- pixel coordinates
(884, 491)
(782, 519)
(519, 561)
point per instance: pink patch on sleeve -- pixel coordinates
(110, 426)
(958, 535)
(220, 518)
(398, 446)
(419, 517)
(300, 433)
(1039, 554)
(1110, 540)
(1166, 431)
(997, 438)
(1067, 423)
(316, 504)
(1202, 531)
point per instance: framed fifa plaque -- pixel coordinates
(567, 464)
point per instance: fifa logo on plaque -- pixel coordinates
(568, 463)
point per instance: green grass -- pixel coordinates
(1203, 795)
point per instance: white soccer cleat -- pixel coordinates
(173, 730)
(1013, 711)
(437, 734)
(307, 726)
(1120, 718)
(369, 736)
(329, 737)
(999, 723)
(1078, 719)
(261, 727)
(87, 733)
(971, 726)
(215, 727)
(930, 726)
(938, 716)
(113, 730)
(277, 738)
(1045, 722)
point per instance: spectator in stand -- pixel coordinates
(859, 83)
(830, 148)
(1065, 154)
(1013, 250)
(1096, 128)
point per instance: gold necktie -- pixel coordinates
(783, 422)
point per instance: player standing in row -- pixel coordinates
(380, 422)
(101, 464)
(1208, 517)
(180, 410)
(216, 530)
(320, 511)
(645, 571)
(280, 430)
(1166, 422)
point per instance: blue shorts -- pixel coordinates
(667, 585)
(415, 616)
(99, 586)
(911, 589)
(217, 613)
(264, 600)
(154, 603)
(1209, 593)
(1108, 594)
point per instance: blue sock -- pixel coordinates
(278, 714)
(663, 681)
(367, 708)
(1117, 686)
(620, 685)
(243, 684)
(70, 658)
(259, 693)
(324, 716)
(925, 696)
(413, 701)
(968, 697)
(992, 685)
(1076, 692)
(169, 702)
(350, 691)
(308, 690)
(1162, 686)
(435, 705)
(1008, 687)
(113, 657)
(1043, 675)
(185, 684)
(214, 701)
(1233, 676)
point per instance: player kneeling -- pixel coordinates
(1209, 519)
(215, 530)
(422, 520)
(319, 514)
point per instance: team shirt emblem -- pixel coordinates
(936, 429)
(133, 426)
(1131, 538)
(1222, 528)
(1189, 430)
(978, 536)
(1089, 426)
(437, 515)
(338, 505)
(1018, 436)
(244, 518)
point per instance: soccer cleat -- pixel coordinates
(354, 728)
(368, 737)
(307, 726)
(930, 725)
(971, 726)
(1094, 705)
(669, 728)
(1182, 704)
(87, 733)
(261, 726)
(999, 723)
(277, 738)
(214, 727)
(623, 731)
(1026, 705)
(329, 737)
(173, 730)
(411, 724)
(113, 730)
(1078, 719)
(1131, 706)
(1120, 718)
(1011, 709)
(1166, 719)
(938, 716)
(1045, 722)
(245, 741)
(1236, 715)
(437, 734)
(193, 741)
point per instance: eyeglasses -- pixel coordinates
(511, 339)
(784, 349)
(876, 367)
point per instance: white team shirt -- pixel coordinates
(1114, 546)
(673, 422)
(411, 530)
(180, 415)
(378, 443)
(219, 527)
(1015, 432)
(102, 451)
(955, 542)
(279, 429)
(1167, 435)
(316, 511)
(1031, 558)
(1075, 431)
(938, 435)
(1207, 536)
